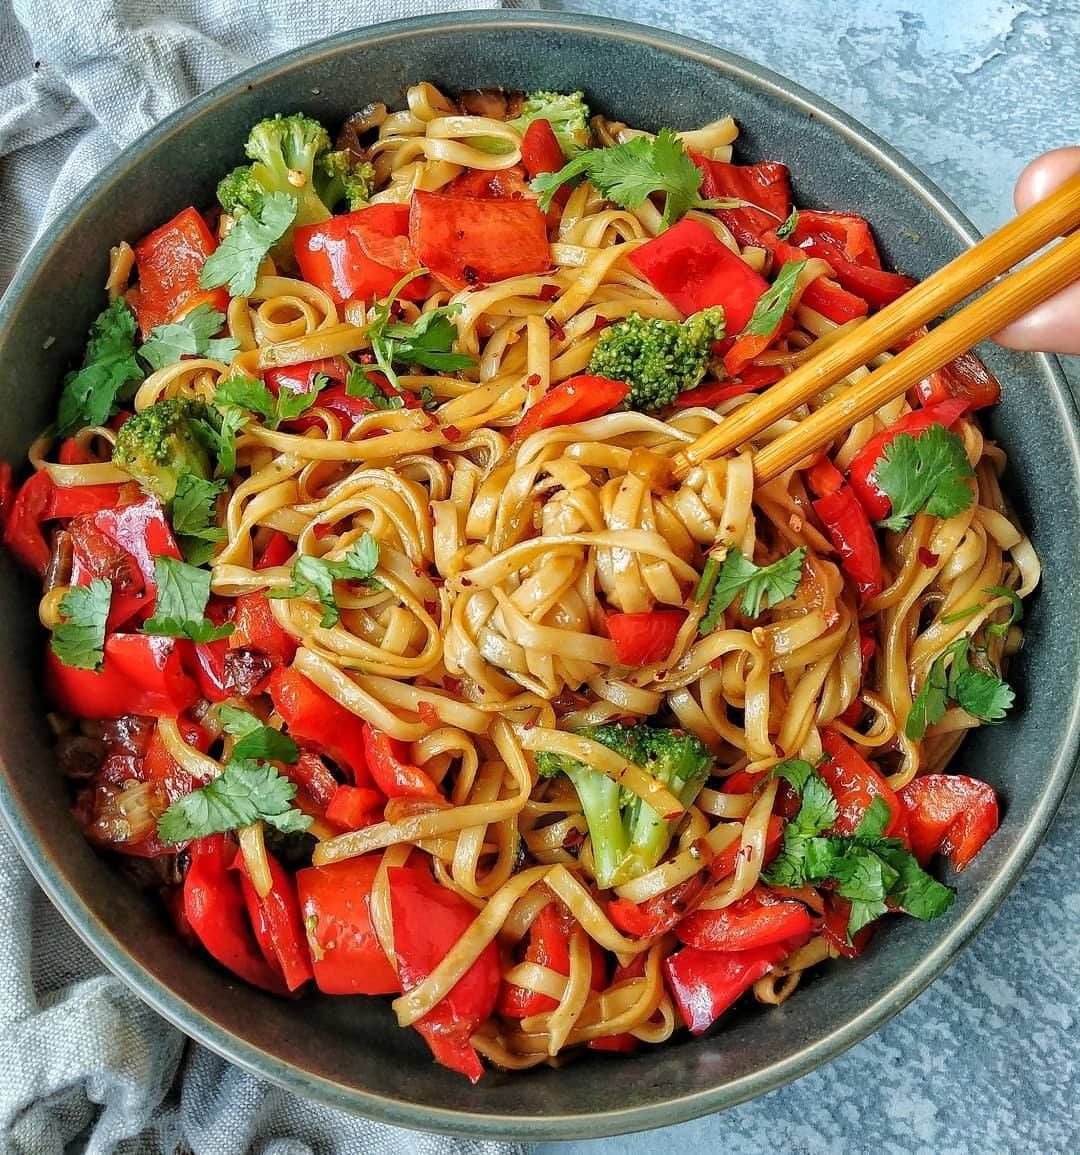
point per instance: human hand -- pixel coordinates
(1054, 326)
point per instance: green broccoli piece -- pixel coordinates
(338, 179)
(159, 444)
(628, 836)
(658, 359)
(568, 115)
(240, 192)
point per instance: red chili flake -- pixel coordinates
(927, 558)
(529, 725)
(431, 608)
(451, 685)
(573, 839)
(557, 330)
(427, 714)
(532, 379)
(548, 292)
(470, 275)
(716, 664)
(451, 433)
(465, 581)
(366, 358)
(600, 323)
(323, 530)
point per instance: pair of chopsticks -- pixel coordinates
(1006, 301)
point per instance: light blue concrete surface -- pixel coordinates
(988, 1059)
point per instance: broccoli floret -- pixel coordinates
(628, 836)
(658, 359)
(162, 442)
(568, 115)
(240, 192)
(338, 179)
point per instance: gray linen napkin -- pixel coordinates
(80, 1056)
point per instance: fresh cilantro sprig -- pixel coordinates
(251, 394)
(317, 575)
(110, 371)
(78, 639)
(630, 172)
(254, 739)
(194, 517)
(219, 432)
(182, 593)
(191, 336)
(789, 226)
(952, 677)
(235, 262)
(760, 587)
(774, 302)
(245, 792)
(929, 472)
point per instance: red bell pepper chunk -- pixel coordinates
(713, 393)
(510, 183)
(464, 241)
(758, 919)
(72, 500)
(855, 784)
(862, 468)
(388, 762)
(949, 814)
(169, 261)
(766, 184)
(360, 255)
(300, 378)
(428, 921)
(848, 231)
(624, 1044)
(874, 285)
(141, 674)
(727, 860)
(352, 807)
(826, 297)
(215, 910)
(280, 912)
(258, 629)
(311, 774)
(705, 983)
(540, 149)
(277, 551)
(335, 902)
(824, 478)
(158, 765)
(646, 637)
(853, 538)
(23, 534)
(548, 946)
(314, 717)
(579, 398)
(834, 927)
(966, 379)
(693, 269)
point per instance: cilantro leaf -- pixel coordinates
(871, 828)
(182, 594)
(359, 384)
(930, 702)
(251, 394)
(194, 517)
(191, 336)
(789, 226)
(983, 695)
(255, 739)
(795, 771)
(630, 172)
(951, 677)
(219, 432)
(316, 574)
(109, 373)
(816, 814)
(1016, 609)
(774, 302)
(925, 472)
(235, 262)
(915, 892)
(245, 792)
(78, 639)
(761, 587)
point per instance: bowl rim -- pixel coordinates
(192, 1022)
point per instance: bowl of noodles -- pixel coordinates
(390, 654)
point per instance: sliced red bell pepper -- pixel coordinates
(758, 919)
(548, 946)
(690, 267)
(849, 232)
(853, 538)
(256, 628)
(705, 983)
(360, 255)
(159, 765)
(826, 297)
(335, 902)
(966, 379)
(863, 277)
(300, 378)
(428, 921)
(142, 529)
(713, 393)
(73, 500)
(624, 1044)
(142, 674)
(579, 398)
(834, 928)
(281, 911)
(23, 534)
(464, 241)
(224, 672)
(540, 149)
(215, 910)
(510, 183)
(311, 773)
(861, 470)
(169, 261)
(766, 184)
(314, 717)
(727, 860)
(277, 551)
(855, 784)
(353, 807)
(388, 763)
(949, 814)
(646, 637)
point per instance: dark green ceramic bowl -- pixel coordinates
(349, 1052)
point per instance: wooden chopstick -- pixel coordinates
(1053, 217)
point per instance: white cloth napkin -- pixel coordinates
(81, 1058)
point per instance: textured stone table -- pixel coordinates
(988, 1059)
